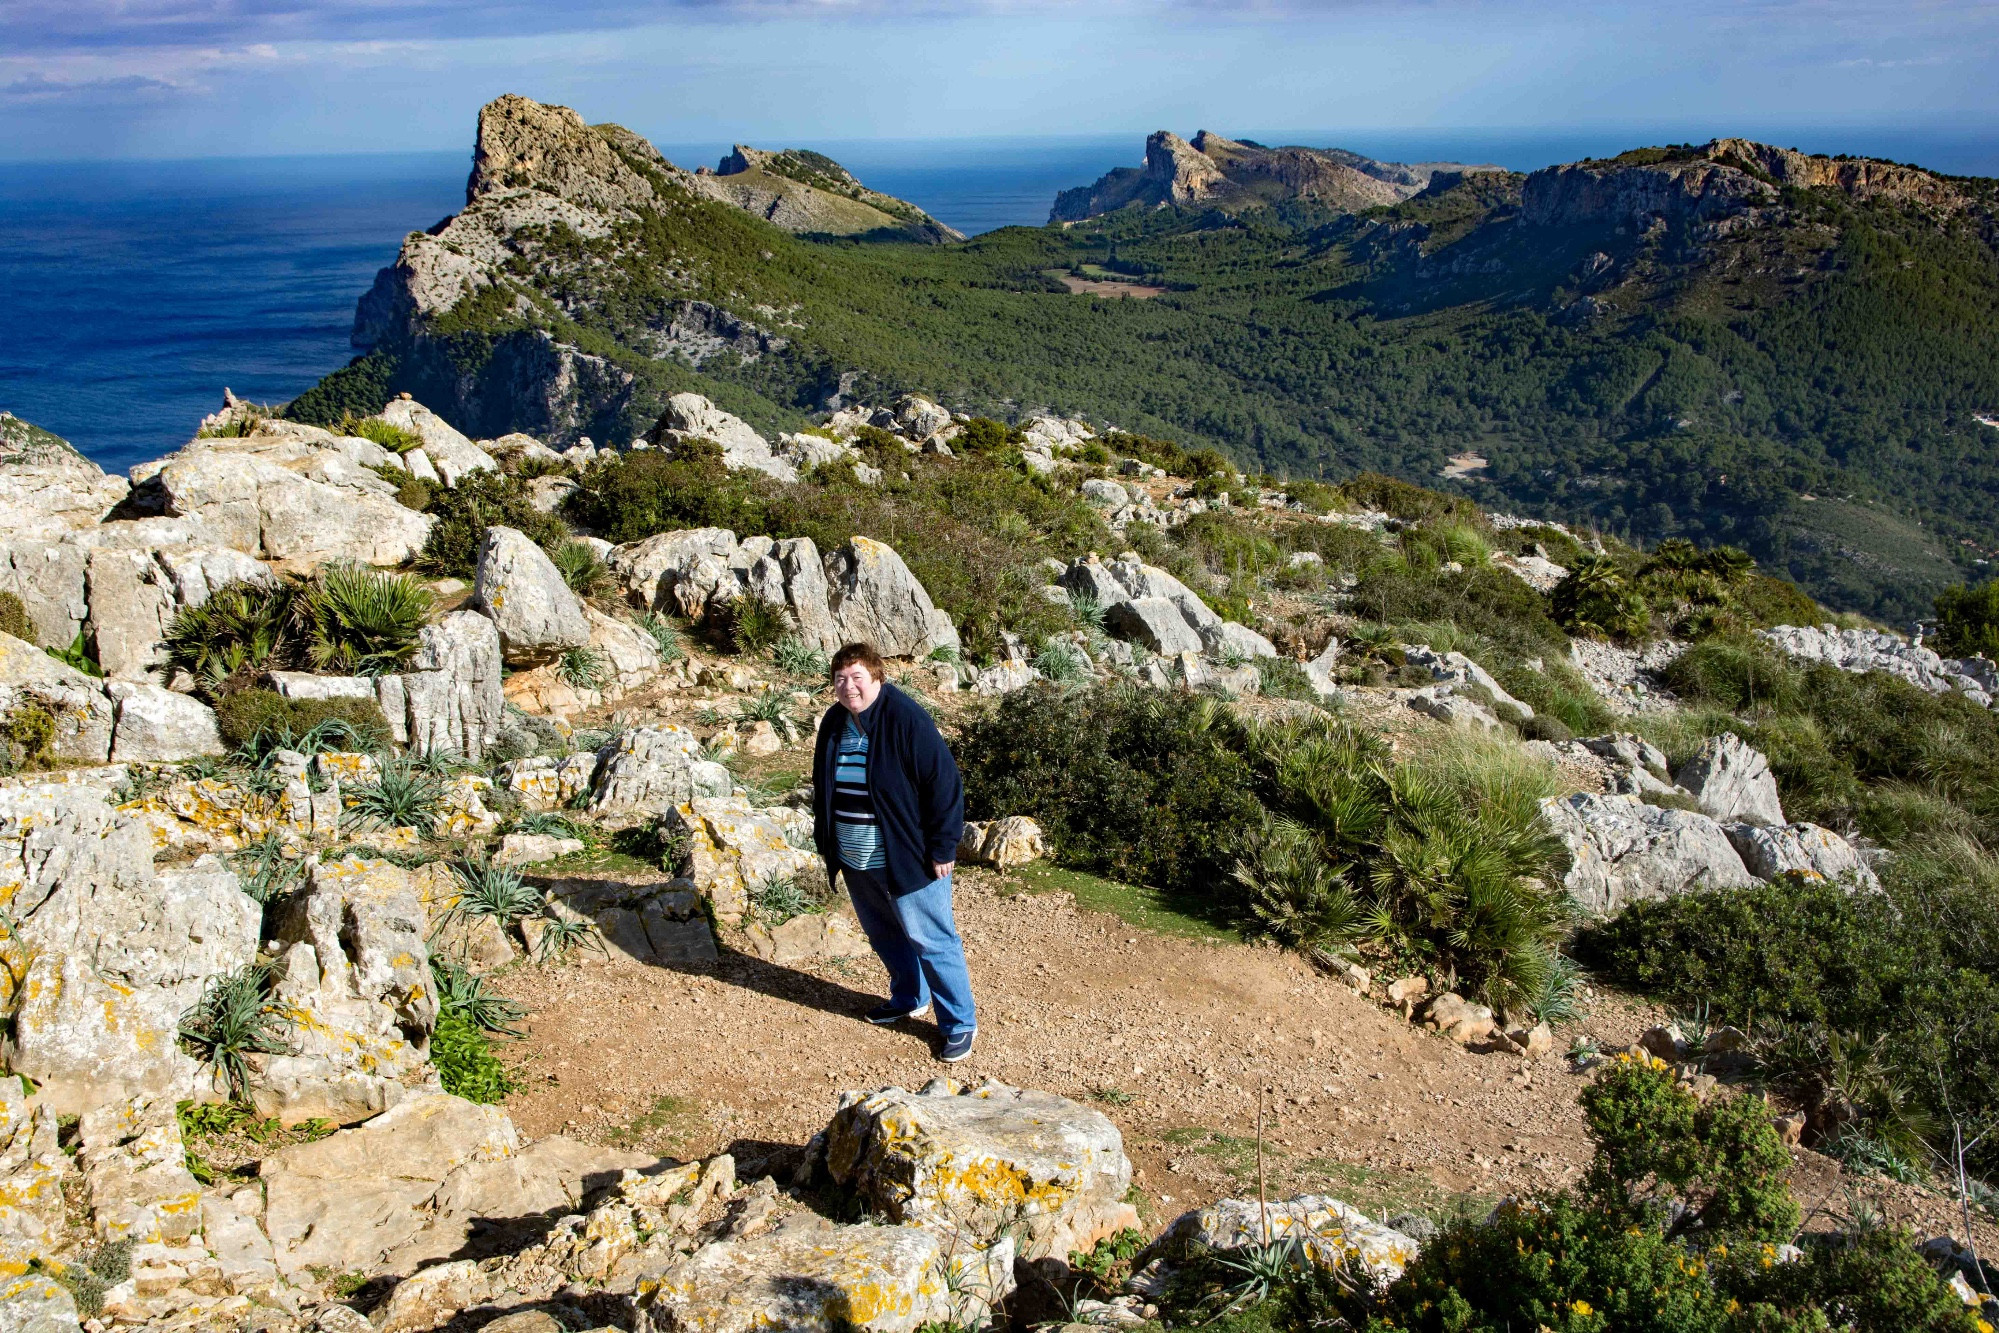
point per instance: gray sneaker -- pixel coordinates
(887, 1015)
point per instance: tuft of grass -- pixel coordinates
(463, 994)
(1059, 661)
(403, 795)
(232, 1021)
(769, 706)
(488, 890)
(660, 1126)
(391, 437)
(265, 871)
(583, 668)
(580, 568)
(665, 636)
(796, 657)
(779, 898)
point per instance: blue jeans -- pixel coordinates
(918, 942)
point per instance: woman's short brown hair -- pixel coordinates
(863, 653)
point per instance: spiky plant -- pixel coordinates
(583, 668)
(1299, 896)
(241, 628)
(665, 636)
(495, 891)
(754, 624)
(1059, 661)
(796, 657)
(769, 706)
(781, 897)
(462, 994)
(362, 621)
(402, 795)
(264, 869)
(234, 1020)
(560, 934)
(327, 734)
(1088, 611)
(548, 823)
(580, 568)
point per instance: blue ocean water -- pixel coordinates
(135, 291)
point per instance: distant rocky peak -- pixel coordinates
(524, 144)
(1215, 171)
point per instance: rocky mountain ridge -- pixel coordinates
(1216, 172)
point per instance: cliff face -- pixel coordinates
(1214, 172)
(1721, 178)
(554, 211)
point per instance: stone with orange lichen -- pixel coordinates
(989, 1158)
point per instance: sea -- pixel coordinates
(133, 292)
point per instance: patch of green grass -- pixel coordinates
(1377, 1192)
(665, 1123)
(1134, 904)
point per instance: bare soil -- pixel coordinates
(1170, 1036)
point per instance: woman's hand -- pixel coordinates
(942, 869)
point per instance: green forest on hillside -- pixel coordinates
(1803, 388)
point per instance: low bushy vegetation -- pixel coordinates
(14, 618)
(346, 620)
(479, 501)
(1676, 1227)
(256, 721)
(1307, 830)
(1968, 620)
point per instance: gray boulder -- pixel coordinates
(1732, 781)
(1154, 622)
(654, 570)
(114, 952)
(1225, 637)
(920, 1158)
(690, 416)
(76, 702)
(1444, 703)
(289, 494)
(447, 449)
(46, 486)
(874, 599)
(449, 699)
(1622, 851)
(156, 725)
(523, 593)
(1457, 669)
(1772, 852)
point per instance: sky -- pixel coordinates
(197, 78)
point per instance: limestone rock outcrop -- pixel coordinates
(1622, 851)
(1732, 781)
(1861, 650)
(294, 495)
(524, 595)
(863, 590)
(106, 954)
(46, 486)
(981, 1159)
(689, 416)
(647, 772)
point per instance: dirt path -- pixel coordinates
(1170, 1036)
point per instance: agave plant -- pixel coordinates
(240, 628)
(361, 621)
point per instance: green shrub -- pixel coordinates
(258, 720)
(1968, 620)
(1484, 601)
(14, 618)
(1820, 970)
(1597, 600)
(483, 500)
(1283, 678)
(466, 1065)
(1134, 785)
(28, 729)
(239, 631)
(362, 621)
(752, 624)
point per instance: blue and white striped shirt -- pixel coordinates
(853, 806)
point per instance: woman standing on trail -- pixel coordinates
(888, 808)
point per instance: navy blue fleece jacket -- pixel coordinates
(919, 797)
